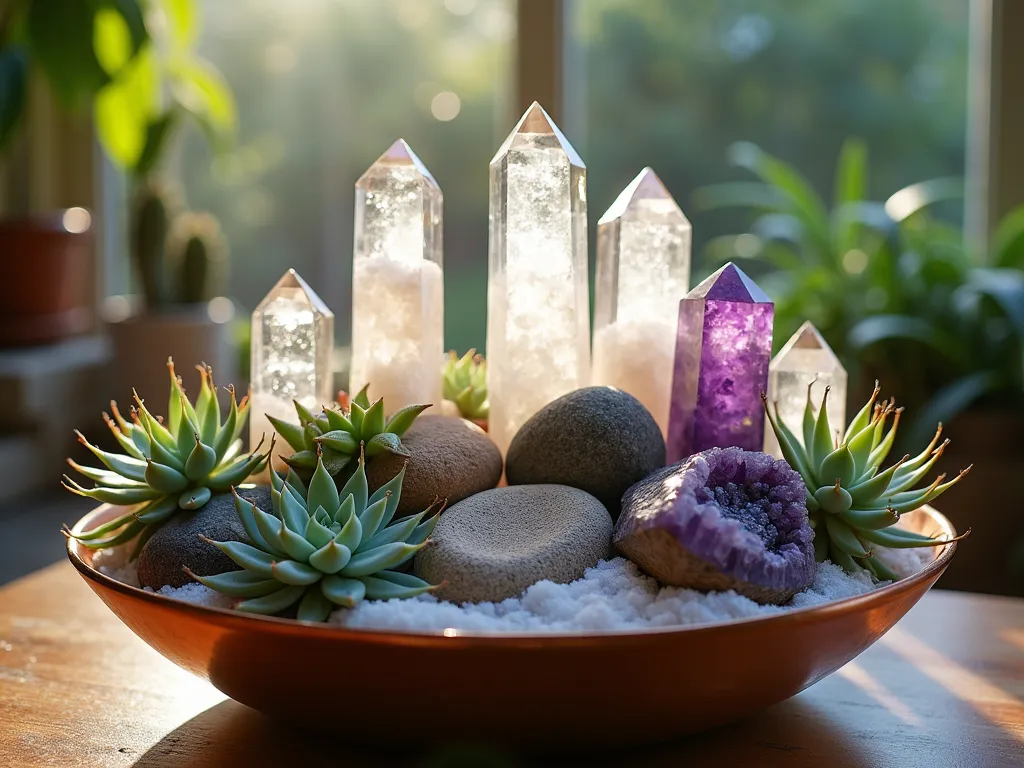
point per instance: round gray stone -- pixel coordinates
(495, 544)
(598, 439)
(449, 458)
(177, 543)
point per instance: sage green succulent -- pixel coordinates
(322, 548)
(465, 384)
(335, 435)
(166, 466)
(852, 503)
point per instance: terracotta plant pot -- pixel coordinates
(45, 288)
(190, 334)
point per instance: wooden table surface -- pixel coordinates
(945, 687)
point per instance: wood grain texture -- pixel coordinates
(77, 688)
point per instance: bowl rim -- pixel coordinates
(325, 630)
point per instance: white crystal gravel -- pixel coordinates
(612, 596)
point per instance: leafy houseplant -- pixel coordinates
(134, 62)
(899, 296)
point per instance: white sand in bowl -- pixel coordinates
(614, 595)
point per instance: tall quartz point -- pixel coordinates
(643, 270)
(292, 340)
(398, 282)
(805, 360)
(723, 347)
(538, 305)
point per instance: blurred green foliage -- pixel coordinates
(133, 61)
(891, 286)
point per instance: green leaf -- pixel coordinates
(13, 77)
(112, 41)
(403, 418)
(906, 202)
(184, 22)
(850, 187)
(200, 89)
(123, 109)
(1007, 241)
(61, 33)
(877, 329)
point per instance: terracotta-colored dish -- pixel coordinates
(613, 688)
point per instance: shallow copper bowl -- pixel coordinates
(613, 688)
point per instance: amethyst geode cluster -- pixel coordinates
(722, 519)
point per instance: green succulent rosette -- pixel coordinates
(852, 503)
(465, 384)
(334, 436)
(321, 548)
(166, 465)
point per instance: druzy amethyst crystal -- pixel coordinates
(722, 519)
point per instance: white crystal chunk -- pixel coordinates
(398, 282)
(538, 303)
(290, 354)
(643, 271)
(804, 359)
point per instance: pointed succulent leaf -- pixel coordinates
(863, 418)
(132, 468)
(305, 417)
(373, 419)
(896, 538)
(125, 534)
(105, 476)
(121, 496)
(239, 583)
(246, 556)
(357, 488)
(423, 530)
(338, 440)
(290, 510)
(372, 517)
(351, 533)
(385, 442)
(273, 603)
(201, 460)
(398, 531)
(791, 449)
(322, 490)
(403, 418)
(382, 589)
(157, 512)
(337, 421)
(346, 509)
(870, 490)
(843, 536)
(165, 456)
(347, 593)
(101, 530)
(860, 449)
(335, 462)
(302, 460)
(245, 510)
(296, 484)
(383, 558)
(269, 528)
(821, 445)
(392, 491)
(295, 573)
(356, 415)
(872, 519)
(882, 450)
(316, 532)
(293, 434)
(838, 466)
(294, 543)
(194, 498)
(362, 398)
(331, 557)
(224, 435)
(314, 606)
(123, 439)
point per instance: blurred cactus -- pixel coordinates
(155, 206)
(198, 257)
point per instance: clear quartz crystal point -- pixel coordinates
(723, 348)
(538, 304)
(643, 270)
(292, 341)
(804, 359)
(398, 282)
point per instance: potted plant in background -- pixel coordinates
(135, 63)
(898, 296)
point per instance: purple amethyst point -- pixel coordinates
(722, 519)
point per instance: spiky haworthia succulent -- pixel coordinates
(853, 504)
(166, 466)
(322, 548)
(465, 384)
(336, 434)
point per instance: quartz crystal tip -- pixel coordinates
(645, 187)
(536, 123)
(398, 155)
